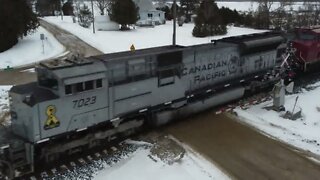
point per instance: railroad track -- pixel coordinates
(84, 165)
(69, 168)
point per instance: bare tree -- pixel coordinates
(102, 5)
(316, 14)
(309, 13)
(263, 13)
(161, 3)
(282, 15)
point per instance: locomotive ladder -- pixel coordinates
(21, 159)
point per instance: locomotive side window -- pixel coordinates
(99, 83)
(83, 86)
(49, 83)
(306, 36)
(79, 87)
(88, 85)
(68, 89)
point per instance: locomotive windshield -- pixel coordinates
(306, 36)
(46, 80)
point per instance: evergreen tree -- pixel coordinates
(167, 12)
(67, 8)
(188, 7)
(16, 20)
(85, 16)
(124, 12)
(229, 16)
(48, 7)
(208, 21)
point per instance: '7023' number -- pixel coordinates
(84, 102)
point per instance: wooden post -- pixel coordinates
(93, 28)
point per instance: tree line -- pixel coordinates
(16, 20)
(17, 17)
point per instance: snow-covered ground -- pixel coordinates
(303, 133)
(140, 160)
(142, 165)
(115, 41)
(4, 104)
(29, 50)
(4, 100)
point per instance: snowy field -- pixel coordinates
(303, 133)
(141, 165)
(252, 6)
(115, 41)
(29, 50)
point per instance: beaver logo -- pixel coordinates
(52, 121)
(232, 66)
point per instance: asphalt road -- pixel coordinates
(240, 151)
(70, 41)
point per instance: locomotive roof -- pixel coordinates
(258, 42)
(250, 37)
(139, 53)
(315, 29)
(80, 70)
(70, 68)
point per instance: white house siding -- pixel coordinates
(148, 14)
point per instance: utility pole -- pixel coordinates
(174, 22)
(93, 29)
(61, 11)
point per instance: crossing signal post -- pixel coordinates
(42, 39)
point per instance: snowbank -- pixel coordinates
(303, 133)
(29, 50)
(115, 41)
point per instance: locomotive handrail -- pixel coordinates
(300, 54)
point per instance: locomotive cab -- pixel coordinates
(307, 45)
(66, 97)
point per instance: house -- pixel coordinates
(148, 15)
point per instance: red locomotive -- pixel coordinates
(307, 48)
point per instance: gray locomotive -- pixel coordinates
(79, 103)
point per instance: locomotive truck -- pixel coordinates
(79, 103)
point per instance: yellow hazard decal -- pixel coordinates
(132, 48)
(52, 121)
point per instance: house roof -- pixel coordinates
(144, 5)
